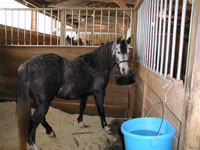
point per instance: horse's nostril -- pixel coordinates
(123, 70)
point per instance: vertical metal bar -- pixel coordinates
(145, 32)
(65, 28)
(116, 25)
(51, 30)
(123, 24)
(108, 25)
(44, 40)
(93, 27)
(153, 26)
(155, 52)
(159, 39)
(86, 27)
(5, 27)
(12, 28)
(141, 33)
(151, 35)
(31, 27)
(24, 27)
(148, 32)
(163, 38)
(37, 27)
(72, 19)
(174, 38)
(168, 39)
(58, 14)
(180, 54)
(100, 26)
(79, 20)
(138, 35)
(18, 29)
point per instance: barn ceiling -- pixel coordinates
(79, 3)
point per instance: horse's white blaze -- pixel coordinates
(122, 59)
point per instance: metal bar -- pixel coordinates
(159, 39)
(57, 31)
(156, 40)
(141, 39)
(25, 27)
(174, 39)
(37, 27)
(86, 27)
(51, 30)
(148, 31)
(115, 24)
(44, 42)
(67, 8)
(18, 29)
(101, 25)
(64, 28)
(153, 42)
(180, 54)
(123, 24)
(12, 28)
(108, 25)
(72, 25)
(93, 27)
(6, 27)
(163, 38)
(145, 33)
(79, 20)
(31, 28)
(151, 35)
(168, 39)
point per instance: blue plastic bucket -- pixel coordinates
(140, 134)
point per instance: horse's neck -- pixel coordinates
(105, 58)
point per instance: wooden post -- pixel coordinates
(190, 128)
(131, 90)
(63, 28)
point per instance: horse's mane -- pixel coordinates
(100, 57)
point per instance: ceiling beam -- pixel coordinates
(121, 4)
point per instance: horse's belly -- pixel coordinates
(68, 93)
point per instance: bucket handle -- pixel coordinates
(163, 116)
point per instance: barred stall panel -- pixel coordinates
(163, 36)
(64, 26)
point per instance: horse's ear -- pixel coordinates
(129, 40)
(119, 40)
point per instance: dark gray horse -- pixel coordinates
(45, 76)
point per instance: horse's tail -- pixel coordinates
(23, 110)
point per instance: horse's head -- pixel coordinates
(121, 54)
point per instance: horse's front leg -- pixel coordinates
(99, 99)
(83, 102)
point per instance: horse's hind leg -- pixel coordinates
(38, 115)
(48, 128)
(82, 109)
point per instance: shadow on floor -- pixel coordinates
(116, 132)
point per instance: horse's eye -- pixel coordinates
(118, 52)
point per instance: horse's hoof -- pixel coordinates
(107, 128)
(52, 134)
(32, 147)
(81, 124)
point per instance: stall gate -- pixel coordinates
(163, 43)
(64, 26)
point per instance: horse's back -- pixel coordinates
(45, 75)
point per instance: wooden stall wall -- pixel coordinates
(116, 100)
